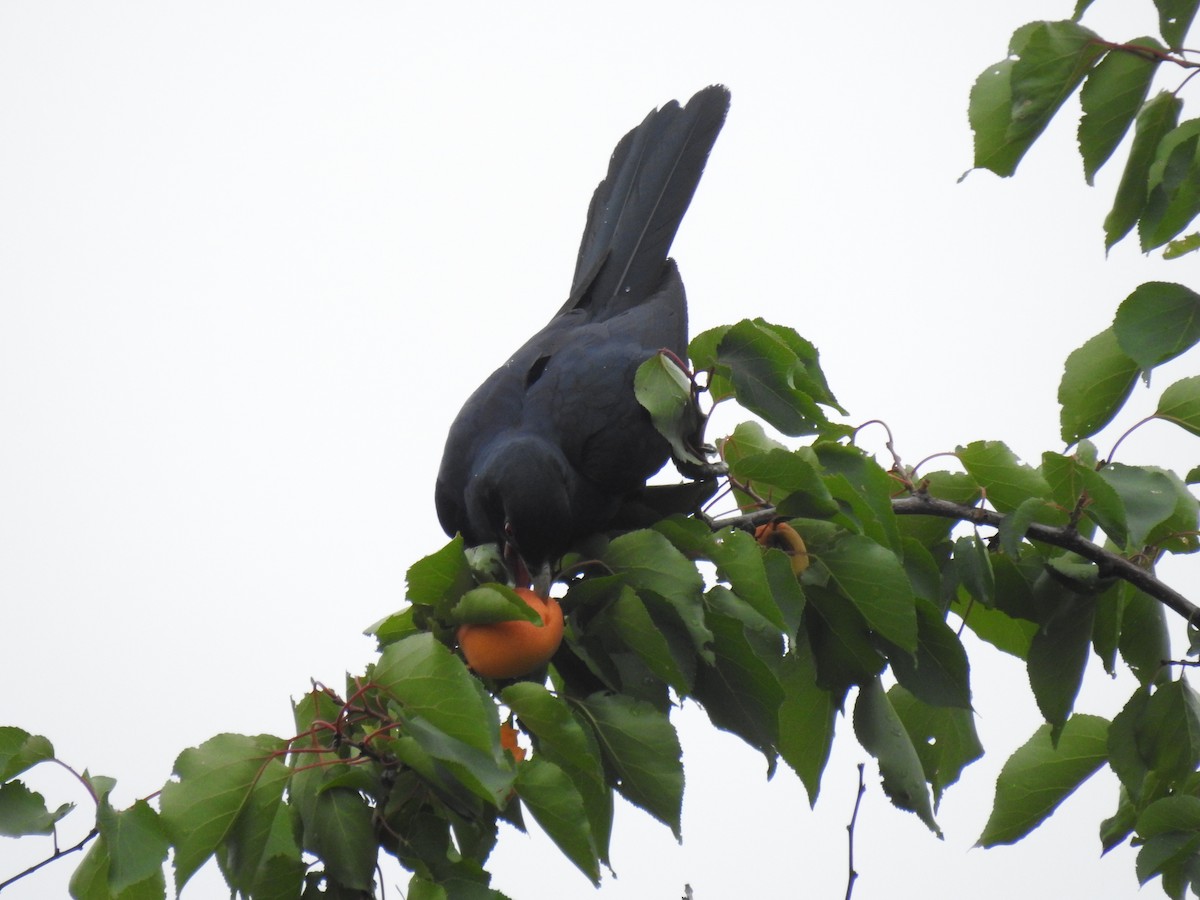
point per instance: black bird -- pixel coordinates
(550, 446)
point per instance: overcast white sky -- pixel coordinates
(254, 256)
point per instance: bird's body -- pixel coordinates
(548, 448)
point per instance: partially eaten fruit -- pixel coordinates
(783, 536)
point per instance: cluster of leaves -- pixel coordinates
(1013, 101)
(412, 759)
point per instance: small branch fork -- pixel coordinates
(57, 854)
(1110, 564)
(1170, 56)
(852, 875)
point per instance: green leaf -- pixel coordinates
(1058, 656)
(431, 682)
(944, 738)
(1006, 481)
(1012, 530)
(137, 843)
(990, 112)
(1174, 19)
(1173, 182)
(1106, 630)
(785, 588)
(788, 479)
(630, 621)
(1182, 246)
(441, 576)
(875, 582)
(91, 879)
(973, 566)
(809, 377)
(1111, 98)
(1169, 814)
(560, 739)
(1103, 504)
(641, 749)
(666, 392)
(1148, 497)
(395, 627)
(882, 734)
(1013, 101)
(1157, 117)
(739, 561)
(23, 811)
(772, 379)
(338, 831)
(1040, 775)
(739, 690)
(806, 718)
(703, 348)
(747, 439)
(1170, 828)
(492, 603)
(1180, 403)
(1004, 632)
(558, 807)
(20, 750)
(1145, 641)
(213, 784)
(1115, 829)
(868, 490)
(1052, 59)
(1097, 380)
(1157, 322)
(261, 856)
(1168, 733)
(938, 672)
(487, 775)
(843, 647)
(647, 561)
(1124, 755)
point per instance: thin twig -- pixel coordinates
(853, 875)
(49, 859)
(1150, 53)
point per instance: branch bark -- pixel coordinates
(1067, 538)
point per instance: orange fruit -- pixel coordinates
(514, 648)
(508, 740)
(784, 537)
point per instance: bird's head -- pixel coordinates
(520, 497)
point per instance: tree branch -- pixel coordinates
(1109, 563)
(1067, 538)
(57, 854)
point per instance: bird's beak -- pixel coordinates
(516, 565)
(542, 580)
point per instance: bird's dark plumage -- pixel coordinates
(547, 449)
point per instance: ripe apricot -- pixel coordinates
(784, 537)
(514, 648)
(508, 740)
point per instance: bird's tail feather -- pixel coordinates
(637, 208)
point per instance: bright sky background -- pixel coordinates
(254, 256)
